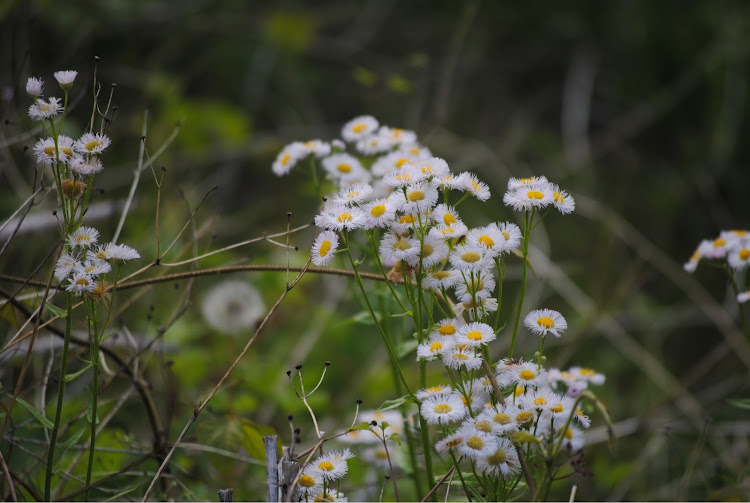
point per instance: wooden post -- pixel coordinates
(289, 469)
(226, 495)
(272, 463)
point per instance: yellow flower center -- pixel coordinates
(401, 162)
(377, 210)
(441, 274)
(483, 426)
(344, 167)
(82, 282)
(475, 442)
(449, 219)
(358, 128)
(344, 217)
(325, 248)
(486, 241)
(50, 151)
(285, 159)
(744, 254)
(442, 408)
(447, 329)
(695, 256)
(460, 356)
(435, 389)
(501, 418)
(475, 186)
(454, 443)
(527, 375)
(352, 194)
(540, 402)
(67, 151)
(90, 268)
(447, 230)
(326, 466)
(498, 458)
(426, 170)
(559, 198)
(557, 408)
(524, 416)
(719, 242)
(406, 219)
(92, 145)
(535, 194)
(471, 257)
(405, 177)
(474, 335)
(414, 150)
(381, 454)
(306, 481)
(505, 235)
(436, 346)
(83, 239)
(587, 372)
(427, 250)
(526, 181)
(546, 322)
(401, 245)
(569, 433)
(101, 255)
(415, 196)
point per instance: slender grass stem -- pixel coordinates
(525, 252)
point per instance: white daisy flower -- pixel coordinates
(418, 197)
(86, 167)
(432, 348)
(233, 307)
(332, 465)
(447, 327)
(432, 252)
(450, 442)
(120, 252)
(500, 420)
(440, 280)
(34, 86)
(358, 128)
(324, 248)
(337, 217)
(318, 148)
(93, 267)
(503, 462)
(718, 248)
(512, 235)
(468, 258)
(477, 286)
(373, 144)
(433, 390)
(449, 231)
(391, 163)
(703, 250)
(445, 215)
(343, 166)
(476, 443)
(587, 375)
(394, 248)
(65, 265)
(526, 198)
(489, 237)
(399, 179)
(83, 237)
(379, 213)
(479, 307)
(542, 321)
(92, 143)
(434, 167)
(461, 356)
(289, 156)
(311, 480)
(443, 408)
(583, 419)
(573, 438)
(517, 183)
(475, 334)
(397, 136)
(448, 182)
(738, 257)
(563, 201)
(354, 194)
(65, 78)
(478, 189)
(47, 154)
(81, 283)
(404, 224)
(520, 373)
(42, 109)
(743, 297)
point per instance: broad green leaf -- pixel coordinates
(60, 453)
(38, 415)
(392, 404)
(70, 377)
(360, 426)
(396, 438)
(57, 311)
(252, 439)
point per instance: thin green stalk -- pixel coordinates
(60, 397)
(500, 266)
(525, 253)
(94, 393)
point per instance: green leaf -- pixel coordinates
(524, 437)
(742, 403)
(70, 377)
(252, 439)
(57, 311)
(60, 453)
(360, 426)
(123, 493)
(38, 415)
(392, 404)
(90, 407)
(396, 438)
(407, 347)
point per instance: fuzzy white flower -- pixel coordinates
(81, 283)
(65, 265)
(418, 197)
(289, 156)
(450, 442)
(432, 348)
(432, 252)
(447, 327)
(440, 280)
(344, 166)
(475, 334)
(83, 237)
(475, 286)
(445, 215)
(432, 167)
(563, 201)
(471, 183)
(65, 78)
(443, 408)
(42, 109)
(542, 321)
(359, 127)
(318, 148)
(517, 183)
(85, 167)
(34, 86)
(47, 153)
(332, 465)
(468, 258)
(527, 197)
(503, 462)
(233, 306)
(703, 250)
(453, 231)
(324, 248)
(92, 143)
(520, 373)
(337, 217)
(743, 297)
(93, 267)
(397, 248)
(433, 390)
(461, 356)
(379, 213)
(354, 194)
(476, 443)
(121, 252)
(587, 375)
(738, 256)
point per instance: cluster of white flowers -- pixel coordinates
(85, 264)
(80, 156)
(732, 247)
(317, 478)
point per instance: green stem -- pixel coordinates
(60, 397)
(94, 396)
(525, 253)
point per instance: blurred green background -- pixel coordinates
(638, 108)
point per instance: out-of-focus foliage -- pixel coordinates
(639, 108)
